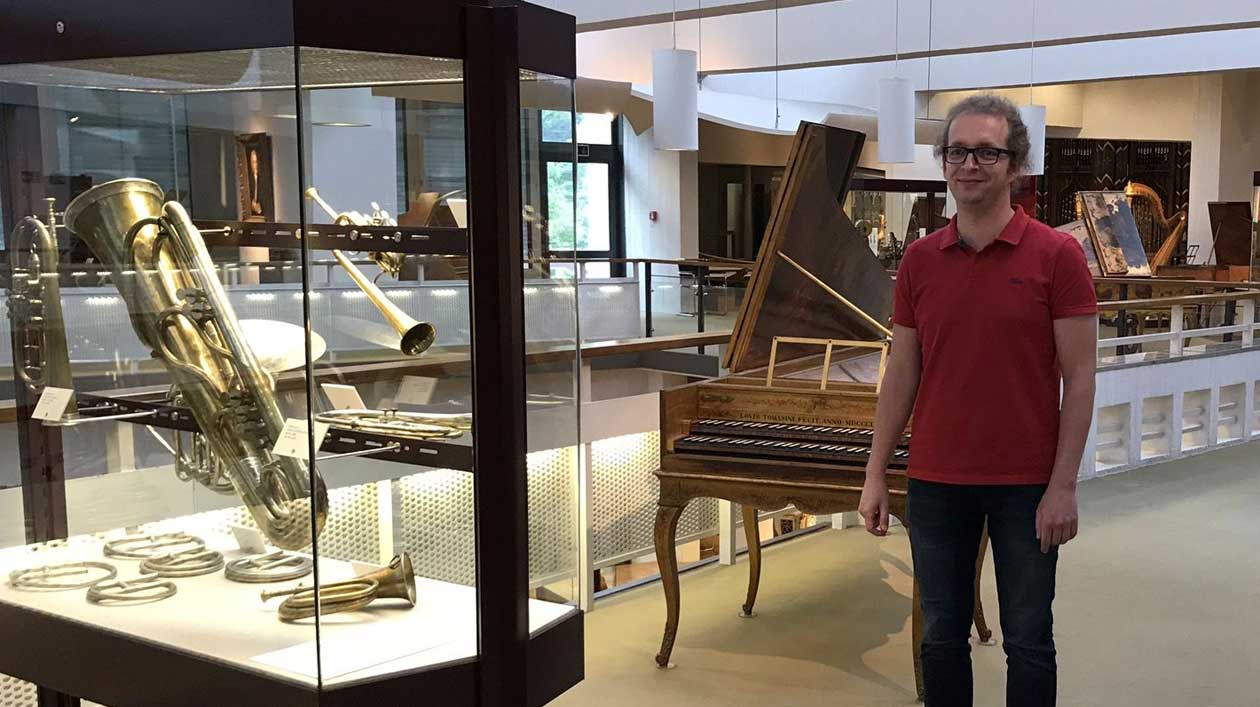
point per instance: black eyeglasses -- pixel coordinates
(955, 154)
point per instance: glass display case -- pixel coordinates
(292, 409)
(893, 213)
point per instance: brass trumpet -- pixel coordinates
(397, 581)
(417, 336)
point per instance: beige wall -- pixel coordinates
(1064, 103)
(720, 144)
(1141, 109)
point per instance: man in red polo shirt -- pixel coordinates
(990, 313)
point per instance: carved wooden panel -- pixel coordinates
(1079, 164)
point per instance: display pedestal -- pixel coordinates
(216, 642)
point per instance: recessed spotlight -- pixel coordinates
(74, 119)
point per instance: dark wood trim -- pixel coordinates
(427, 29)
(93, 30)
(118, 670)
(456, 684)
(547, 39)
(492, 97)
(556, 659)
(124, 671)
(45, 697)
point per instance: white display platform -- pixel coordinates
(228, 622)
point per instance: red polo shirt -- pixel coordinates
(987, 410)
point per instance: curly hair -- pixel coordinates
(991, 104)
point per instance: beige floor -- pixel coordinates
(1158, 604)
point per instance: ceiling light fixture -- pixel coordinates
(1034, 116)
(896, 108)
(675, 109)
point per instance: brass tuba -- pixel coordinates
(41, 357)
(178, 308)
(417, 336)
(396, 581)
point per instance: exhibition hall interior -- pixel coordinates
(506, 353)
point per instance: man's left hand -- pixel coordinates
(1056, 517)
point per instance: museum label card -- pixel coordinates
(416, 390)
(292, 439)
(249, 539)
(52, 404)
(343, 397)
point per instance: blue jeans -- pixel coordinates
(945, 524)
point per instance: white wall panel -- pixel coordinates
(621, 54)
(981, 23)
(738, 41)
(1074, 18)
(849, 30)
(1205, 160)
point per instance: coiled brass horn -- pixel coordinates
(396, 581)
(178, 308)
(417, 336)
(41, 357)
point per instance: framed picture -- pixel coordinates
(253, 177)
(1079, 231)
(1115, 234)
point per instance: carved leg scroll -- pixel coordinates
(753, 534)
(667, 561)
(982, 627)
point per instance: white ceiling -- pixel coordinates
(833, 52)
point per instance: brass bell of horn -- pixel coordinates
(397, 581)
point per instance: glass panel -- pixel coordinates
(389, 294)
(179, 341)
(591, 229)
(597, 270)
(595, 128)
(890, 221)
(552, 406)
(592, 128)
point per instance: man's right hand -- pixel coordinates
(874, 504)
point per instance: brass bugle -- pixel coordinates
(397, 581)
(415, 336)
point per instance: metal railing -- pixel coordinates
(705, 287)
(1235, 310)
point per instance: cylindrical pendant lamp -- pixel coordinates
(1035, 120)
(675, 115)
(896, 120)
